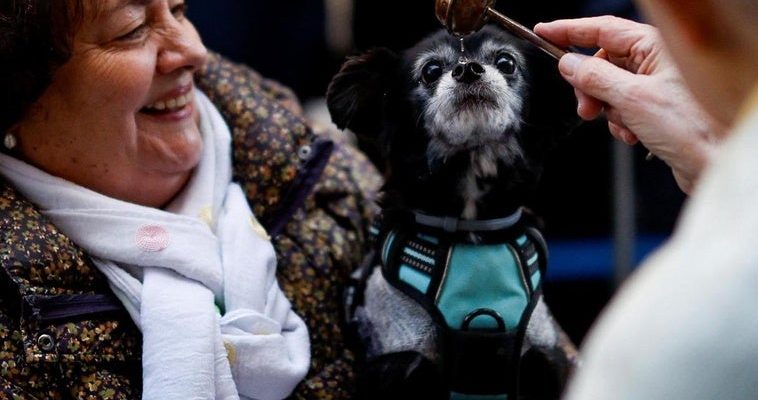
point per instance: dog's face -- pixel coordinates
(459, 133)
(470, 99)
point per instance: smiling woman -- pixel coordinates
(126, 61)
(154, 194)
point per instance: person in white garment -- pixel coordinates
(684, 326)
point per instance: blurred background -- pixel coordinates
(605, 208)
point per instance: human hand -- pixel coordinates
(634, 82)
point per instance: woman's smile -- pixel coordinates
(175, 105)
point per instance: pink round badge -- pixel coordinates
(151, 238)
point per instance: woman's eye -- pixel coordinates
(431, 72)
(135, 34)
(506, 63)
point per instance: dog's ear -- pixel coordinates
(355, 96)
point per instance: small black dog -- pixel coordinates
(452, 306)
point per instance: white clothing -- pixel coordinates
(685, 326)
(169, 267)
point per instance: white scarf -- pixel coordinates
(169, 267)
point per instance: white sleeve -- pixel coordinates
(686, 324)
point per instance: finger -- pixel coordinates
(622, 133)
(617, 61)
(613, 115)
(596, 77)
(616, 116)
(616, 35)
(618, 127)
(588, 107)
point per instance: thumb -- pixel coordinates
(596, 77)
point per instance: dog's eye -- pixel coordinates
(431, 72)
(506, 63)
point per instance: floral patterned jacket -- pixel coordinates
(62, 333)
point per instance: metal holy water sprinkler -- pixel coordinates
(462, 17)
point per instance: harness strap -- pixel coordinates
(420, 260)
(480, 357)
(454, 224)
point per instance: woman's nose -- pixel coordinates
(182, 49)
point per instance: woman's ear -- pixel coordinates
(355, 96)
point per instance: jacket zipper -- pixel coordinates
(51, 308)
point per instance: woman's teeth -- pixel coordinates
(170, 104)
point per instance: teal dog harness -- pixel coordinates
(480, 295)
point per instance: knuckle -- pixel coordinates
(609, 19)
(618, 23)
(651, 31)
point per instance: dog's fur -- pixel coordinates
(463, 137)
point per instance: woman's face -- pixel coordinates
(119, 116)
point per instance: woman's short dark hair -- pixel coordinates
(35, 39)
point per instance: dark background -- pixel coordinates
(286, 41)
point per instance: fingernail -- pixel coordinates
(569, 62)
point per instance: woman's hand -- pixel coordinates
(634, 82)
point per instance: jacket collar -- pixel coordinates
(277, 158)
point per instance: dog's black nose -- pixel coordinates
(468, 72)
